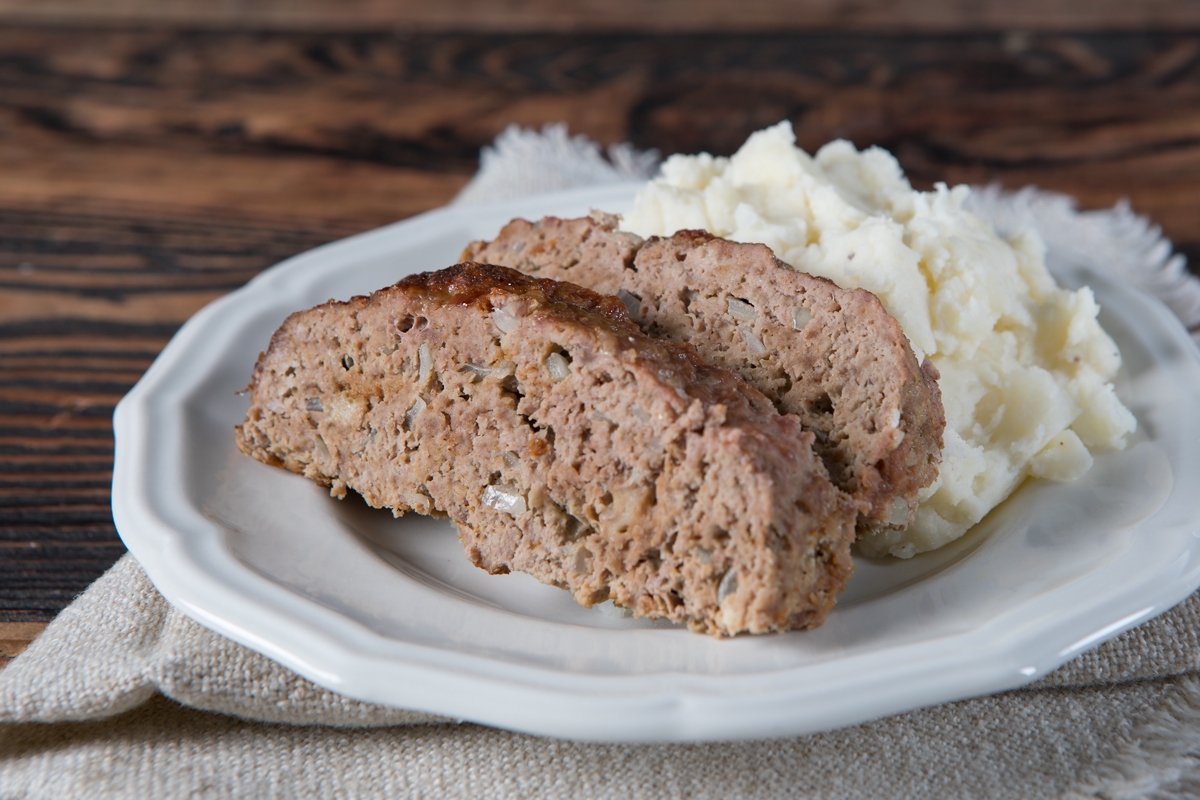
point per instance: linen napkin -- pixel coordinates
(124, 696)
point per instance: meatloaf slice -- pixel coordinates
(834, 357)
(563, 442)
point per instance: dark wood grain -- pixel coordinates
(144, 173)
(372, 128)
(625, 16)
(15, 637)
(91, 295)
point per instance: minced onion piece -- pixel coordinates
(740, 309)
(558, 367)
(425, 362)
(411, 416)
(505, 498)
(480, 370)
(640, 414)
(510, 458)
(633, 304)
(417, 502)
(899, 514)
(753, 343)
(673, 380)
(322, 448)
(583, 561)
(729, 585)
(365, 443)
(801, 316)
(505, 320)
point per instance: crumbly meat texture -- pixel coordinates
(833, 357)
(563, 442)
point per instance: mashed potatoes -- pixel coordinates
(1026, 369)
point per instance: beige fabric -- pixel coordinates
(1017, 745)
(1117, 722)
(120, 642)
(84, 712)
(103, 660)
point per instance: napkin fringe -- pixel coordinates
(1157, 758)
(524, 162)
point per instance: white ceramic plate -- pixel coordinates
(390, 611)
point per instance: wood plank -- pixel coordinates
(614, 15)
(108, 282)
(360, 130)
(15, 637)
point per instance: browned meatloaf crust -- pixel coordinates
(832, 356)
(564, 443)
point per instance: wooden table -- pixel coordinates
(146, 171)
